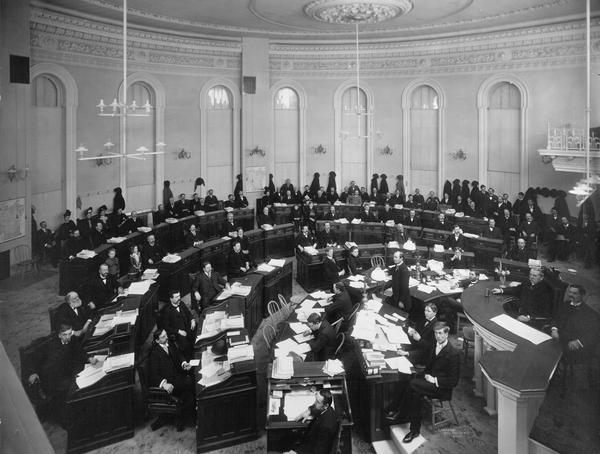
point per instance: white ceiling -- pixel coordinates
(286, 20)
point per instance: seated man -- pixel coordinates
(492, 231)
(305, 239)
(387, 214)
(237, 265)
(529, 229)
(296, 215)
(131, 224)
(327, 237)
(432, 202)
(354, 198)
(265, 218)
(240, 200)
(441, 223)
(418, 199)
(73, 314)
(73, 245)
(211, 203)
(152, 253)
(180, 325)
(229, 227)
(563, 243)
(181, 207)
(520, 253)
(421, 336)
(63, 360)
(576, 327)
(456, 240)
(323, 346)
(331, 271)
(97, 236)
(207, 285)
(441, 376)
(341, 307)
(322, 430)
(535, 299)
(193, 237)
(369, 215)
(159, 215)
(354, 263)
(102, 288)
(169, 370)
(230, 202)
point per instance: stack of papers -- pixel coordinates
(200, 213)
(298, 328)
(342, 221)
(140, 288)
(380, 275)
(320, 295)
(350, 244)
(398, 206)
(360, 285)
(373, 305)
(125, 317)
(290, 345)
(211, 325)
(356, 221)
(228, 209)
(303, 313)
(409, 245)
(438, 248)
(265, 268)
(240, 290)
(144, 229)
(116, 239)
(283, 368)
(412, 282)
(435, 265)
(150, 273)
(400, 363)
(395, 335)
(393, 244)
(104, 325)
(356, 278)
(277, 262)
(390, 223)
(240, 353)
(521, 329)
(267, 227)
(89, 376)
(425, 288)
(86, 254)
(225, 237)
(214, 373)
(310, 250)
(113, 363)
(333, 367)
(233, 322)
(302, 337)
(171, 221)
(171, 258)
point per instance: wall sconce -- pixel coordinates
(459, 154)
(387, 150)
(101, 161)
(257, 150)
(13, 172)
(182, 154)
(548, 159)
(319, 149)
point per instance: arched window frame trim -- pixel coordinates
(338, 139)
(302, 151)
(483, 106)
(235, 106)
(406, 125)
(70, 98)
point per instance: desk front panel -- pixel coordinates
(175, 275)
(256, 242)
(279, 281)
(253, 303)
(279, 242)
(368, 233)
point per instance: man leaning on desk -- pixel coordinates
(323, 427)
(534, 304)
(322, 347)
(102, 288)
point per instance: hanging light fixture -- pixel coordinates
(119, 108)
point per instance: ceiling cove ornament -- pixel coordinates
(356, 11)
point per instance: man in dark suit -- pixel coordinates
(180, 325)
(535, 299)
(193, 237)
(369, 215)
(456, 240)
(230, 202)
(341, 305)
(441, 376)
(331, 215)
(418, 199)
(323, 346)
(97, 236)
(287, 186)
(327, 237)
(355, 265)
(46, 243)
(237, 265)
(529, 229)
(504, 204)
(412, 219)
(211, 203)
(152, 253)
(576, 327)
(507, 225)
(322, 430)
(229, 227)
(169, 370)
(331, 271)
(387, 214)
(492, 231)
(421, 336)
(305, 239)
(265, 218)
(534, 211)
(441, 223)
(73, 245)
(400, 292)
(207, 285)
(180, 207)
(102, 288)
(73, 314)
(85, 227)
(564, 241)
(520, 253)
(520, 204)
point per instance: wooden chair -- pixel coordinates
(273, 307)
(269, 333)
(337, 324)
(335, 446)
(25, 264)
(341, 338)
(282, 301)
(439, 407)
(31, 358)
(353, 313)
(378, 261)
(468, 338)
(156, 400)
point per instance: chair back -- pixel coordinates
(282, 301)
(335, 446)
(340, 338)
(52, 317)
(31, 357)
(273, 307)
(353, 314)
(269, 334)
(337, 324)
(377, 261)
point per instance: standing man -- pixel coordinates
(305, 239)
(179, 324)
(400, 291)
(207, 285)
(331, 271)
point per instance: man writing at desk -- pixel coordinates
(322, 430)
(534, 299)
(103, 288)
(323, 345)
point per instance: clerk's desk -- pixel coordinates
(226, 413)
(104, 412)
(514, 367)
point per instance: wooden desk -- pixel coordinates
(256, 242)
(486, 249)
(279, 242)
(341, 230)
(305, 375)
(368, 232)
(281, 214)
(244, 217)
(519, 271)
(278, 281)
(431, 237)
(517, 372)
(471, 225)
(72, 273)
(175, 275)
(310, 267)
(254, 306)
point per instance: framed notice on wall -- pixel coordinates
(12, 219)
(255, 179)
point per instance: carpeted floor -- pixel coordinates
(568, 423)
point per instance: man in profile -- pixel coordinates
(179, 323)
(102, 288)
(322, 347)
(74, 314)
(207, 285)
(534, 299)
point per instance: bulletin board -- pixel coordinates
(255, 179)
(12, 219)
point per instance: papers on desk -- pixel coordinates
(400, 363)
(514, 284)
(267, 227)
(200, 213)
(360, 285)
(532, 263)
(310, 250)
(395, 335)
(239, 353)
(226, 237)
(215, 374)
(265, 268)
(356, 278)
(460, 274)
(394, 245)
(412, 282)
(318, 295)
(113, 363)
(350, 244)
(283, 368)
(425, 288)
(300, 338)
(409, 245)
(277, 262)
(390, 223)
(297, 402)
(144, 229)
(228, 209)
(298, 328)
(470, 235)
(333, 367)
(116, 239)
(171, 258)
(483, 277)
(342, 220)
(140, 288)
(236, 289)
(211, 325)
(435, 265)
(104, 325)
(90, 375)
(86, 254)
(171, 221)
(380, 275)
(398, 206)
(126, 317)
(438, 248)
(373, 305)
(521, 329)
(290, 345)
(150, 273)
(303, 313)
(356, 221)
(448, 287)
(233, 322)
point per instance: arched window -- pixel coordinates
(141, 132)
(424, 139)
(354, 131)
(286, 129)
(48, 138)
(219, 140)
(503, 137)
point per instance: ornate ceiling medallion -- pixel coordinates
(357, 11)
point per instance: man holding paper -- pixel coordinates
(207, 285)
(168, 370)
(422, 337)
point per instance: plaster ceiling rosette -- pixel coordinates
(356, 11)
